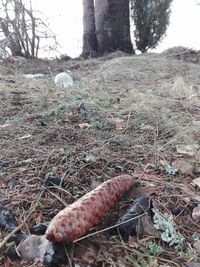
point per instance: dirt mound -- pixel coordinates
(183, 53)
(152, 73)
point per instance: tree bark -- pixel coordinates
(112, 26)
(89, 31)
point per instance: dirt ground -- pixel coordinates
(124, 114)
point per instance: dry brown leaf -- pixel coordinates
(133, 242)
(163, 162)
(188, 193)
(186, 200)
(183, 166)
(146, 227)
(119, 124)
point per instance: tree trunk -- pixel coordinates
(112, 26)
(89, 32)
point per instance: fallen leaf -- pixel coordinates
(196, 198)
(196, 214)
(186, 200)
(163, 162)
(196, 182)
(84, 125)
(133, 242)
(189, 150)
(119, 124)
(196, 246)
(188, 194)
(25, 136)
(146, 227)
(183, 166)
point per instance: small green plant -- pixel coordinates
(14, 120)
(56, 111)
(154, 249)
(189, 253)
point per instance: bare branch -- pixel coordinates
(23, 28)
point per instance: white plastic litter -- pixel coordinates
(33, 76)
(63, 80)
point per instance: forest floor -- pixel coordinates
(125, 114)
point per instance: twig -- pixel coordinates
(127, 122)
(46, 161)
(69, 259)
(3, 242)
(168, 261)
(61, 189)
(178, 53)
(108, 228)
(146, 167)
(58, 198)
(51, 73)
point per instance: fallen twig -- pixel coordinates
(108, 228)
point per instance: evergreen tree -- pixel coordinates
(151, 19)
